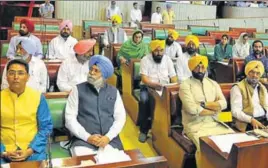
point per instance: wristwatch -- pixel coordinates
(203, 104)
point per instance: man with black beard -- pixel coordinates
(192, 45)
(61, 47)
(74, 70)
(95, 113)
(26, 29)
(258, 54)
(156, 70)
(249, 101)
(173, 49)
(202, 100)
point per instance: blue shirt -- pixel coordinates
(45, 127)
(45, 9)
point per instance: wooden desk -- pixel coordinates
(137, 160)
(243, 155)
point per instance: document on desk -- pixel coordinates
(223, 63)
(108, 154)
(226, 141)
(7, 165)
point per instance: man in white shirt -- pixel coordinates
(95, 113)
(157, 16)
(26, 29)
(156, 70)
(112, 10)
(37, 69)
(182, 68)
(249, 101)
(74, 70)
(135, 16)
(173, 48)
(61, 47)
(46, 9)
(114, 34)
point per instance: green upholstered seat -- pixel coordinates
(4, 48)
(261, 35)
(162, 34)
(39, 27)
(265, 41)
(87, 23)
(208, 51)
(202, 30)
(58, 152)
(136, 73)
(147, 39)
(57, 107)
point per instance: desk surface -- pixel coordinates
(137, 160)
(242, 155)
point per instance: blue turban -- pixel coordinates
(27, 44)
(105, 65)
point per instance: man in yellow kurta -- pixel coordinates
(168, 15)
(202, 99)
(249, 99)
(25, 118)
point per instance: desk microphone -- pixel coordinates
(214, 26)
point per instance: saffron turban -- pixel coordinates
(29, 24)
(254, 65)
(83, 46)
(196, 60)
(105, 65)
(27, 44)
(173, 33)
(157, 43)
(192, 38)
(117, 19)
(65, 23)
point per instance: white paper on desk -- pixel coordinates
(226, 141)
(223, 63)
(110, 155)
(7, 165)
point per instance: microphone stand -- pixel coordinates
(50, 165)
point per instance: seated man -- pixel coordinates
(114, 34)
(25, 117)
(156, 70)
(202, 99)
(61, 47)
(95, 113)
(74, 70)
(26, 29)
(173, 48)
(192, 45)
(249, 99)
(37, 69)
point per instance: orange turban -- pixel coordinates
(173, 33)
(29, 24)
(157, 43)
(254, 64)
(83, 46)
(196, 60)
(192, 38)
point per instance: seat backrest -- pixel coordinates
(260, 35)
(88, 23)
(4, 48)
(53, 68)
(238, 66)
(163, 34)
(226, 90)
(56, 103)
(201, 30)
(40, 27)
(175, 107)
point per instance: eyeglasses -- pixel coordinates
(13, 73)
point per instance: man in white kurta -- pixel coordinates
(157, 16)
(61, 47)
(114, 34)
(173, 49)
(183, 71)
(74, 70)
(26, 29)
(202, 99)
(95, 113)
(112, 10)
(37, 69)
(135, 15)
(249, 99)
(156, 71)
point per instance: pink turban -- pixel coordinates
(67, 23)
